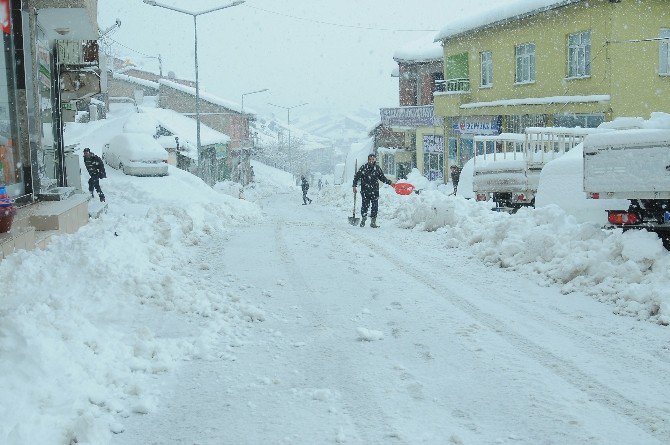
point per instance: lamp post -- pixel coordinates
(195, 32)
(251, 92)
(288, 125)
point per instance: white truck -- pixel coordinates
(632, 163)
(507, 166)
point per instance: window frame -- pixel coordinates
(664, 52)
(486, 69)
(579, 55)
(525, 63)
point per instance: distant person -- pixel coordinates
(455, 176)
(320, 184)
(96, 171)
(305, 186)
(369, 176)
(251, 173)
(401, 172)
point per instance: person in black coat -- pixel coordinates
(455, 176)
(369, 176)
(305, 186)
(96, 169)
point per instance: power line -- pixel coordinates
(321, 22)
(131, 49)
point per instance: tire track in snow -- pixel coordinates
(645, 417)
(356, 413)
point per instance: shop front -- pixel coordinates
(11, 166)
(463, 129)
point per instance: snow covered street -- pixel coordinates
(379, 336)
(185, 315)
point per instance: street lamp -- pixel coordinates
(195, 29)
(288, 126)
(251, 92)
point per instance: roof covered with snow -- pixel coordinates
(186, 129)
(424, 49)
(233, 106)
(485, 18)
(136, 80)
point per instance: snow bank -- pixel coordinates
(79, 353)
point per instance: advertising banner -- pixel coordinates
(480, 125)
(433, 144)
(422, 116)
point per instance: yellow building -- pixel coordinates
(569, 63)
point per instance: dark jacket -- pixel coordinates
(304, 185)
(455, 175)
(369, 177)
(95, 166)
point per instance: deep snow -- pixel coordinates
(187, 315)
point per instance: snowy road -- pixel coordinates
(385, 336)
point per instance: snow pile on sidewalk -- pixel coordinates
(79, 338)
(631, 270)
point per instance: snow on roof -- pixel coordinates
(633, 132)
(205, 96)
(535, 100)
(136, 80)
(186, 128)
(485, 18)
(424, 49)
(140, 123)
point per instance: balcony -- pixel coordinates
(459, 85)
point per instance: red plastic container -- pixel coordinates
(404, 188)
(6, 218)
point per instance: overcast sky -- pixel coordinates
(247, 48)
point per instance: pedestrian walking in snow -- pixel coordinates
(96, 171)
(305, 187)
(320, 184)
(455, 176)
(369, 176)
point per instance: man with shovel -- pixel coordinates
(369, 176)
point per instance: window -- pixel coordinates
(433, 157)
(487, 69)
(664, 53)
(388, 163)
(458, 77)
(579, 54)
(438, 81)
(525, 63)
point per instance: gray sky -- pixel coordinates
(244, 48)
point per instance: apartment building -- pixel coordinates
(553, 63)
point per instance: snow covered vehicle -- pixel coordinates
(507, 166)
(632, 163)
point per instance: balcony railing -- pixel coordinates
(458, 85)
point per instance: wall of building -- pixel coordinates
(627, 71)
(416, 84)
(123, 88)
(224, 120)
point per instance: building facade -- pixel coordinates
(572, 63)
(411, 135)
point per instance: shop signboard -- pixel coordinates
(221, 151)
(480, 125)
(422, 116)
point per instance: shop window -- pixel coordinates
(11, 168)
(579, 120)
(664, 53)
(525, 63)
(486, 58)
(579, 54)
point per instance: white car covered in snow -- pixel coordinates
(136, 154)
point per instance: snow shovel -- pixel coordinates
(352, 219)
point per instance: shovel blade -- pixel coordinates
(354, 221)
